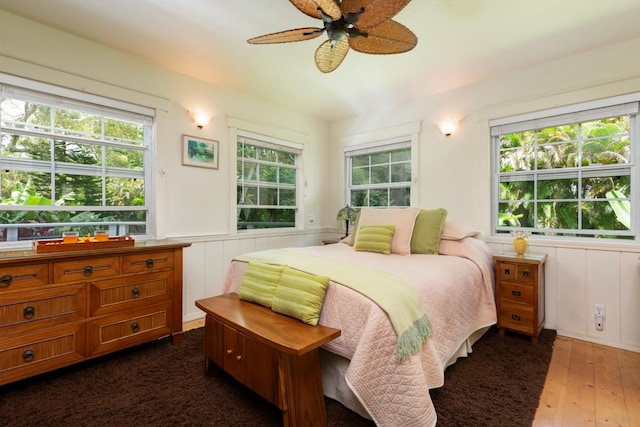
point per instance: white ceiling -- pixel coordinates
(459, 42)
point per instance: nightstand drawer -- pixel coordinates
(517, 293)
(518, 317)
(519, 273)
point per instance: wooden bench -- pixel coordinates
(274, 355)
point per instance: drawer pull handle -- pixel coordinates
(150, 263)
(88, 270)
(525, 273)
(515, 317)
(6, 280)
(28, 355)
(239, 357)
(515, 293)
(29, 312)
(507, 271)
(229, 351)
(135, 327)
(135, 292)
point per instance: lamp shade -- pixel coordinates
(347, 214)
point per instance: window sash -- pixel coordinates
(260, 186)
(580, 174)
(104, 110)
(373, 148)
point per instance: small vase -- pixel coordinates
(520, 245)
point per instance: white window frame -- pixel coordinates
(571, 114)
(280, 145)
(94, 104)
(375, 148)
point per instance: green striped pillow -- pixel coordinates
(300, 295)
(259, 283)
(375, 238)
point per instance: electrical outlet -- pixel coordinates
(598, 313)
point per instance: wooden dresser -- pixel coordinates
(57, 309)
(520, 293)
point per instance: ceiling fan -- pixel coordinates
(362, 25)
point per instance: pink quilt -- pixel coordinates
(457, 290)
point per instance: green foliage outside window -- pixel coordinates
(571, 180)
(62, 167)
(381, 179)
(266, 187)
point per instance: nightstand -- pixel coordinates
(520, 293)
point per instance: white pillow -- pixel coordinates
(403, 219)
(456, 231)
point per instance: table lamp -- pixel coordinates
(347, 214)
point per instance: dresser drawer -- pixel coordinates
(144, 262)
(22, 277)
(28, 355)
(37, 309)
(518, 317)
(86, 269)
(519, 273)
(130, 328)
(109, 296)
(515, 292)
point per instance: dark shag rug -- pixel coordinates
(158, 384)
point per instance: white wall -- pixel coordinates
(191, 203)
(455, 172)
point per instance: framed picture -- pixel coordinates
(199, 152)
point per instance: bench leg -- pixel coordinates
(301, 390)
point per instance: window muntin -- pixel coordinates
(568, 179)
(66, 164)
(379, 176)
(267, 184)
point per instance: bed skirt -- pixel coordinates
(334, 369)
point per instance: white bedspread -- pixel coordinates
(457, 292)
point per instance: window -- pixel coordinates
(69, 164)
(267, 183)
(568, 174)
(379, 174)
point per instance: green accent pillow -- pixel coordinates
(427, 231)
(375, 238)
(259, 283)
(300, 295)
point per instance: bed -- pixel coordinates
(361, 368)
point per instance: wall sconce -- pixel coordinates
(448, 127)
(200, 118)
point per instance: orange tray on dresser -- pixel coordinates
(56, 245)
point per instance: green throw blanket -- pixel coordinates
(391, 293)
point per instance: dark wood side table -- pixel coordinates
(274, 355)
(520, 293)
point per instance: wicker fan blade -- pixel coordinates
(310, 7)
(375, 11)
(389, 37)
(287, 36)
(328, 58)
